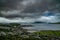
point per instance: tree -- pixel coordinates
(58, 1)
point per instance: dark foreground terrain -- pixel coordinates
(50, 35)
(15, 31)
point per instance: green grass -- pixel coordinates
(48, 32)
(4, 30)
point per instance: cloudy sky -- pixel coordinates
(35, 7)
(28, 8)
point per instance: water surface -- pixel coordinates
(40, 26)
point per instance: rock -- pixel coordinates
(3, 34)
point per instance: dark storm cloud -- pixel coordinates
(41, 6)
(9, 3)
(28, 6)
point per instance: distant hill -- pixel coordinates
(55, 23)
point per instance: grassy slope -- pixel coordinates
(48, 32)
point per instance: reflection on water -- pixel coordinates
(43, 27)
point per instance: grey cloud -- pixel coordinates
(35, 7)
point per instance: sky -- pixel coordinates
(20, 7)
(29, 9)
